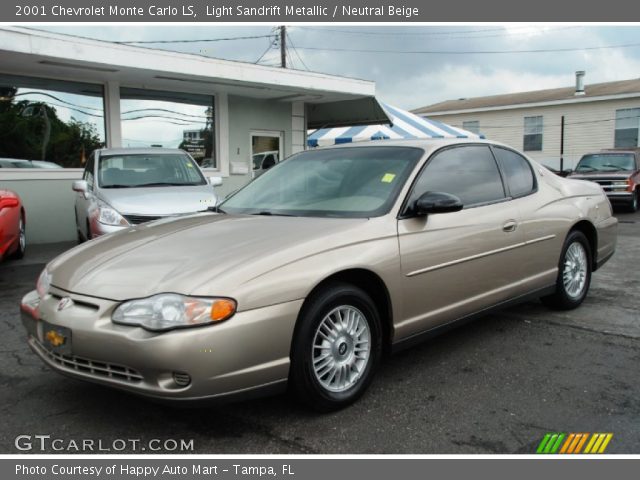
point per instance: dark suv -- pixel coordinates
(617, 171)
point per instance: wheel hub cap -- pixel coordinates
(574, 275)
(341, 348)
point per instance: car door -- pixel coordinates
(84, 200)
(542, 225)
(454, 264)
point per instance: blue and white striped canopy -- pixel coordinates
(403, 125)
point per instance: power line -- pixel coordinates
(137, 110)
(163, 119)
(140, 42)
(469, 52)
(293, 47)
(271, 44)
(44, 94)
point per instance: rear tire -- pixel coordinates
(574, 273)
(22, 239)
(336, 347)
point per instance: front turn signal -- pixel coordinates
(222, 309)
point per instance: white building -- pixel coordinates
(596, 116)
(80, 93)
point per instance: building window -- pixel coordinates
(47, 123)
(627, 126)
(533, 134)
(171, 120)
(472, 126)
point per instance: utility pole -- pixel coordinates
(283, 46)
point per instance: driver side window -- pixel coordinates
(468, 172)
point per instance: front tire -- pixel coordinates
(633, 204)
(574, 273)
(336, 347)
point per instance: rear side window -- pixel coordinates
(468, 172)
(517, 172)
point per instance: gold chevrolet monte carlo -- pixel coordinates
(309, 273)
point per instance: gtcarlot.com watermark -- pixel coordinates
(47, 443)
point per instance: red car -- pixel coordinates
(13, 240)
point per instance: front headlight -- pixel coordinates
(167, 311)
(43, 283)
(109, 216)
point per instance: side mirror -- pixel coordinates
(215, 181)
(436, 202)
(80, 186)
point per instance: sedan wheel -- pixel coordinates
(341, 348)
(336, 347)
(633, 205)
(22, 239)
(574, 273)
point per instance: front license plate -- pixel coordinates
(56, 339)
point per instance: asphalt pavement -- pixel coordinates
(496, 385)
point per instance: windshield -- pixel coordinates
(148, 170)
(606, 162)
(340, 182)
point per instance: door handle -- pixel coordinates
(510, 226)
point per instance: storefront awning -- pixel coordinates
(400, 124)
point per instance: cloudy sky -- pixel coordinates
(412, 80)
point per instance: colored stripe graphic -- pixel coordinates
(598, 443)
(573, 443)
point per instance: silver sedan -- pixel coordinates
(124, 187)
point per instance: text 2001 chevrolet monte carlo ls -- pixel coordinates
(315, 268)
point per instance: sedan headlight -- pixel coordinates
(44, 283)
(169, 310)
(109, 216)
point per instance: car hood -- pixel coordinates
(159, 201)
(615, 175)
(205, 254)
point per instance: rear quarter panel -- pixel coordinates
(549, 215)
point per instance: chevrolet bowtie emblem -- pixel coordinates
(65, 302)
(54, 338)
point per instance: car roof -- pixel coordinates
(615, 150)
(138, 151)
(427, 144)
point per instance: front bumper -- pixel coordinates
(245, 354)
(619, 196)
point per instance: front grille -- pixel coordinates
(91, 367)
(76, 302)
(138, 219)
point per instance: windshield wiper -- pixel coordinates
(117, 185)
(586, 167)
(269, 213)
(215, 209)
(162, 184)
(613, 167)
